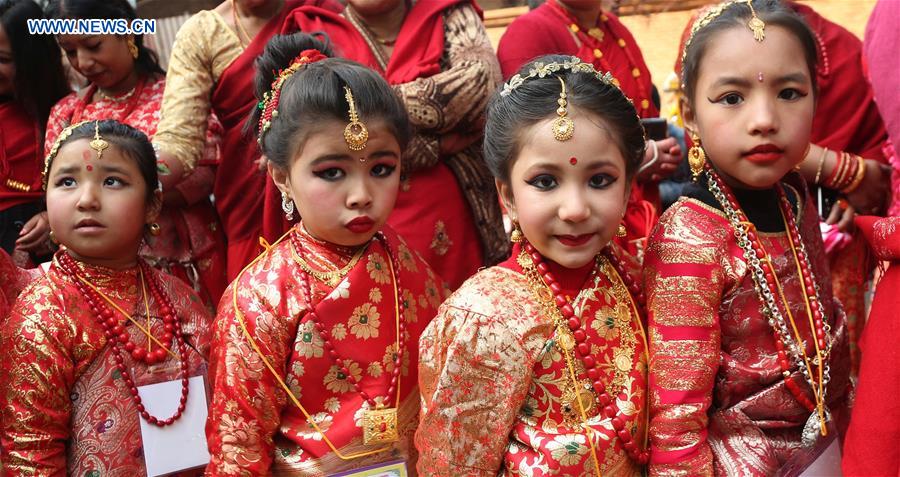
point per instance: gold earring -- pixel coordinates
(516, 236)
(53, 238)
(563, 127)
(154, 228)
(621, 231)
(696, 157)
(132, 48)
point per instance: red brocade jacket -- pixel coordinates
(495, 385)
(719, 403)
(64, 408)
(255, 428)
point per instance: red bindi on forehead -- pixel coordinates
(573, 160)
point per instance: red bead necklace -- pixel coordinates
(326, 341)
(770, 283)
(582, 350)
(116, 334)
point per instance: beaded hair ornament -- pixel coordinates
(562, 127)
(756, 25)
(63, 135)
(270, 99)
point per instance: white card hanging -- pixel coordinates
(182, 445)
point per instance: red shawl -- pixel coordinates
(20, 156)
(546, 30)
(245, 212)
(419, 47)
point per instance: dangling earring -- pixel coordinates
(621, 231)
(132, 48)
(287, 205)
(516, 236)
(53, 238)
(154, 228)
(696, 157)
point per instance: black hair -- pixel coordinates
(147, 62)
(133, 143)
(536, 100)
(40, 79)
(772, 12)
(315, 94)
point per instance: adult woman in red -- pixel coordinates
(126, 84)
(211, 70)
(584, 29)
(437, 57)
(31, 81)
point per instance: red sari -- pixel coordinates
(719, 403)
(254, 426)
(190, 245)
(496, 390)
(64, 409)
(550, 29)
(446, 201)
(870, 447)
(21, 161)
(12, 281)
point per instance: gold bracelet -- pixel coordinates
(860, 174)
(821, 165)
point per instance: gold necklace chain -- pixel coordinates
(331, 277)
(236, 18)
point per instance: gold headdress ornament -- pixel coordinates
(63, 135)
(355, 134)
(98, 143)
(563, 127)
(269, 105)
(541, 70)
(756, 25)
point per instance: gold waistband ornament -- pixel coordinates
(355, 134)
(563, 127)
(98, 143)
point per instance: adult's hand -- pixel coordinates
(667, 154)
(34, 234)
(841, 215)
(870, 197)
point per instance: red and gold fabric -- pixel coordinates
(443, 68)
(64, 407)
(718, 399)
(191, 244)
(255, 427)
(496, 389)
(13, 280)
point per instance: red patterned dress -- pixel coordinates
(281, 403)
(191, 244)
(64, 407)
(12, 280)
(498, 397)
(719, 402)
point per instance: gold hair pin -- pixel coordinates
(98, 143)
(563, 127)
(756, 25)
(541, 70)
(355, 134)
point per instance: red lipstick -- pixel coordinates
(574, 240)
(361, 224)
(764, 153)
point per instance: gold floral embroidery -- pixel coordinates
(364, 321)
(378, 269)
(568, 449)
(339, 332)
(375, 295)
(336, 382)
(309, 343)
(407, 260)
(441, 242)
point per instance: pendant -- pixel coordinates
(570, 407)
(813, 428)
(380, 426)
(565, 340)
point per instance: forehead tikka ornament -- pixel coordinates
(563, 127)
(355, 133)
(98, 143)
(756, 25)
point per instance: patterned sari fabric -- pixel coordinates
(191, 244)
(496, 389)
(13, 280)
(64, 407)
(719, 403)
(255, 426)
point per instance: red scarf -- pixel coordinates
(419, 47)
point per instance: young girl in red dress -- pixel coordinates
(748, 351)
(537, 366)
(100, 322)
(314, 360)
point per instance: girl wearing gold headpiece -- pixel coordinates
(314, 361)
(537, 366)
(749, 365)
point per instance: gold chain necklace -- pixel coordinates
(236, 18)
(331, 277)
